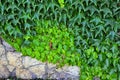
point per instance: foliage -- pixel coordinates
(50, 44)
(95, 24)
(61, 2)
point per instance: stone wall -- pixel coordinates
(13, 64)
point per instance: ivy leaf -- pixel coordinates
(16, 46)
(114, 48)
(101, 57)
(118, 67)
(96, 20)
(107, 62)
(95, 55)
(26, 37)
(36, 42)
(87, 1)
(26, 42)
(92, 10)
(109, 55)
(106, 12)
(27, 26)
(100, 29)
(2, 9)
(36, 16)
(61, 2)
(95, 2)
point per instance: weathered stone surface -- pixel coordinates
(14, 59)
(66, 73)
(8, 47)
(23, 73)
(28, 62)
(73, 70)
(3, 60)
(10, 68)
(96, 78)
(50, 65)
(51, 68)
(39, 70)
(63, 76)
(2, 50)
(4, 72)
(55, 75)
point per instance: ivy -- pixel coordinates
(93, 23)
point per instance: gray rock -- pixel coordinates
(39, 70)
(50, 65)
(10, 68)
(4, 72)
(15, 59)
(33, 76)
(56, 75)
(51, 69)
(23, 73)
(73, 70)
(13, 73)
(3, 60)
(59, 70)
(96, 78)
(28, 62)
(66, 73)
(2, 50)
(7, 46)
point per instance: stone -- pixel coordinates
(50, 65)
(73, 70)
(96, 78)
(4, 72)
(59, 69)
(7, 46)
(14, 59)
(10, 68)
(56, 75)
(23, 73)
(2, 50)
(39, 70)
(3, 60)
(28, 62)
(51, 68)
(13, 73)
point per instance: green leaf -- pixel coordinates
(96, 20)
(36, 42)
(106, 12)
(92, 10)
(26, 37)
(95, 55)
(107, 62)
(16, 46)
(101, 57)
(61, 2)
(109, 55)
(2, 9)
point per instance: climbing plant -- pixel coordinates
(95, 24)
